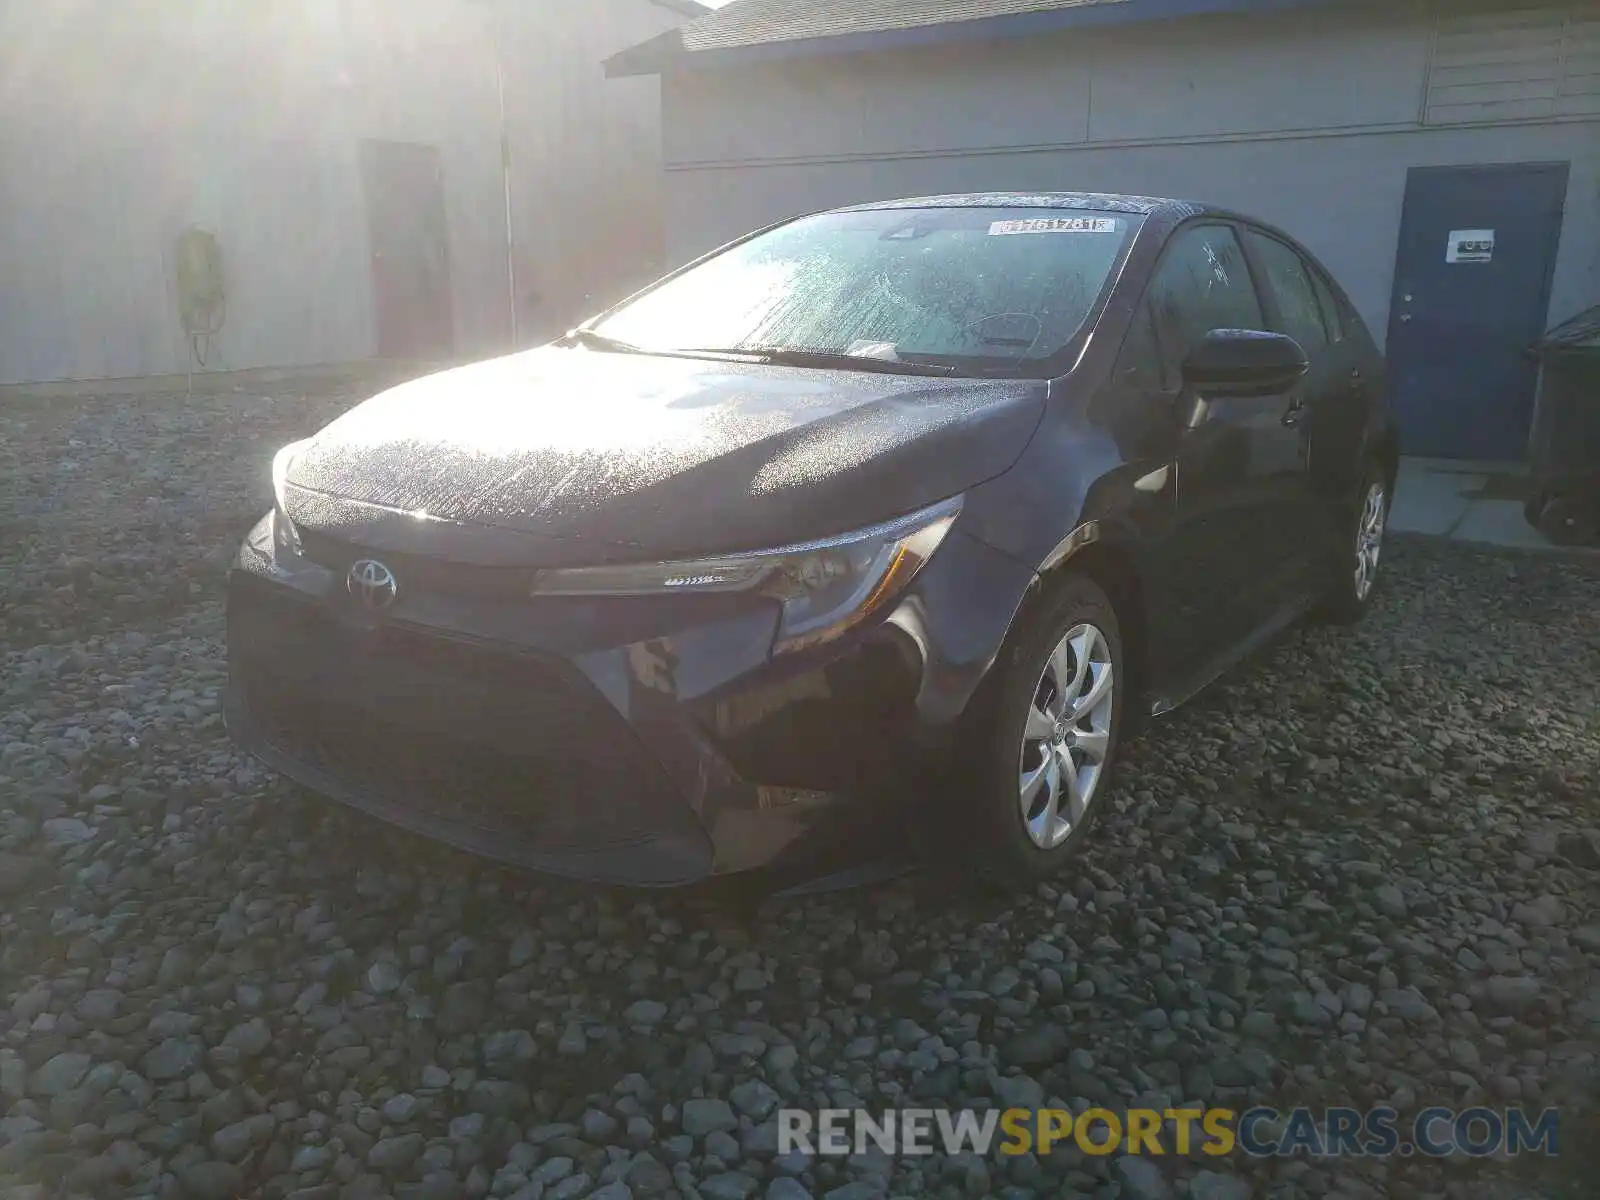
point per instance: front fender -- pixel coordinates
(954, 621)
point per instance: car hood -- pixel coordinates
(595, 456)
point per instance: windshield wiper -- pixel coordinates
(830, 359)
(598, 341)
(781, 355)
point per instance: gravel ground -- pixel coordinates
(1364, 870)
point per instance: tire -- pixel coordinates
(1568, 522)
(1533, 507)
(1354, 562)
(1038, 669)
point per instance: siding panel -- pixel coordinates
(1519, 65)
(1580, 73)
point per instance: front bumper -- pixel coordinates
(644, 741)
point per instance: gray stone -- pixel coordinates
(98, 1006)
(1581, 849)
(233, 1142)
(702, 1116)
(1209, 1185)
(396, 1153)
(498, 1098)
(750, 979)
(755, 1099)
(731, 1185)
(644, 1012)
(1142, 1179)
(308, 1159)
(17, 874)
(1542, 913)
(1019, 1091)
(59, 1074)
(1512, 993)
(249, 1039)
(401, 1108)
(1409, 1005)
(383, 977)
(211, 1181)
(66, 831)
(597, 1126)
(552, 1170)
(1039, 1046)
(1389, 900)
(570, 1187)
(463, 1009)
(1185, 946)
(509, 1049)
(573, 1041)
(172, 1058)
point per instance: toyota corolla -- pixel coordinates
(890, 521)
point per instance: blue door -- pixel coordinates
(1472, 284)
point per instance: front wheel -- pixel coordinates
(1054, 715)
(1356, 558)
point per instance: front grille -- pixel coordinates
(421, 572)
(502, 744)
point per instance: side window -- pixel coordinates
(1139, 365)
(1202, 284)
(1289, 280)
(1331, 320)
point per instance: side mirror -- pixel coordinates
(1243, 362)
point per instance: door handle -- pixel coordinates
(1294, 412)
(1405, 318)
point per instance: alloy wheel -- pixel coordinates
(1369, 539)
(1066, 736)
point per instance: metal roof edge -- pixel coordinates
(687, 8)
(663, 54)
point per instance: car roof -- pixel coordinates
(1090, 201)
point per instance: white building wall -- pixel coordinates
(122, 124)
(587, 187)
(1309, 121)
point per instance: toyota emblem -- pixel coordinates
(372, 583)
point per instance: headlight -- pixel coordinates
(826, 587)
(285, 537)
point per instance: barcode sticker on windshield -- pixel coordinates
(1056, 225)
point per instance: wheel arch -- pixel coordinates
(1094, 551)
(1383, 446)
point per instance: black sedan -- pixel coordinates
(887, 520)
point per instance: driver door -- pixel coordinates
(1238, 464)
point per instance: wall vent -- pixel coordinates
(1523, 64)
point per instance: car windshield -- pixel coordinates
(972, 288)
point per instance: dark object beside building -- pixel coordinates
(1565, 447)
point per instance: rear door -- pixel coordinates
(1325, 411)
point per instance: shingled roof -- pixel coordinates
(755, 22)
(749, 29)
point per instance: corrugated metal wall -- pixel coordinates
(122, 124)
